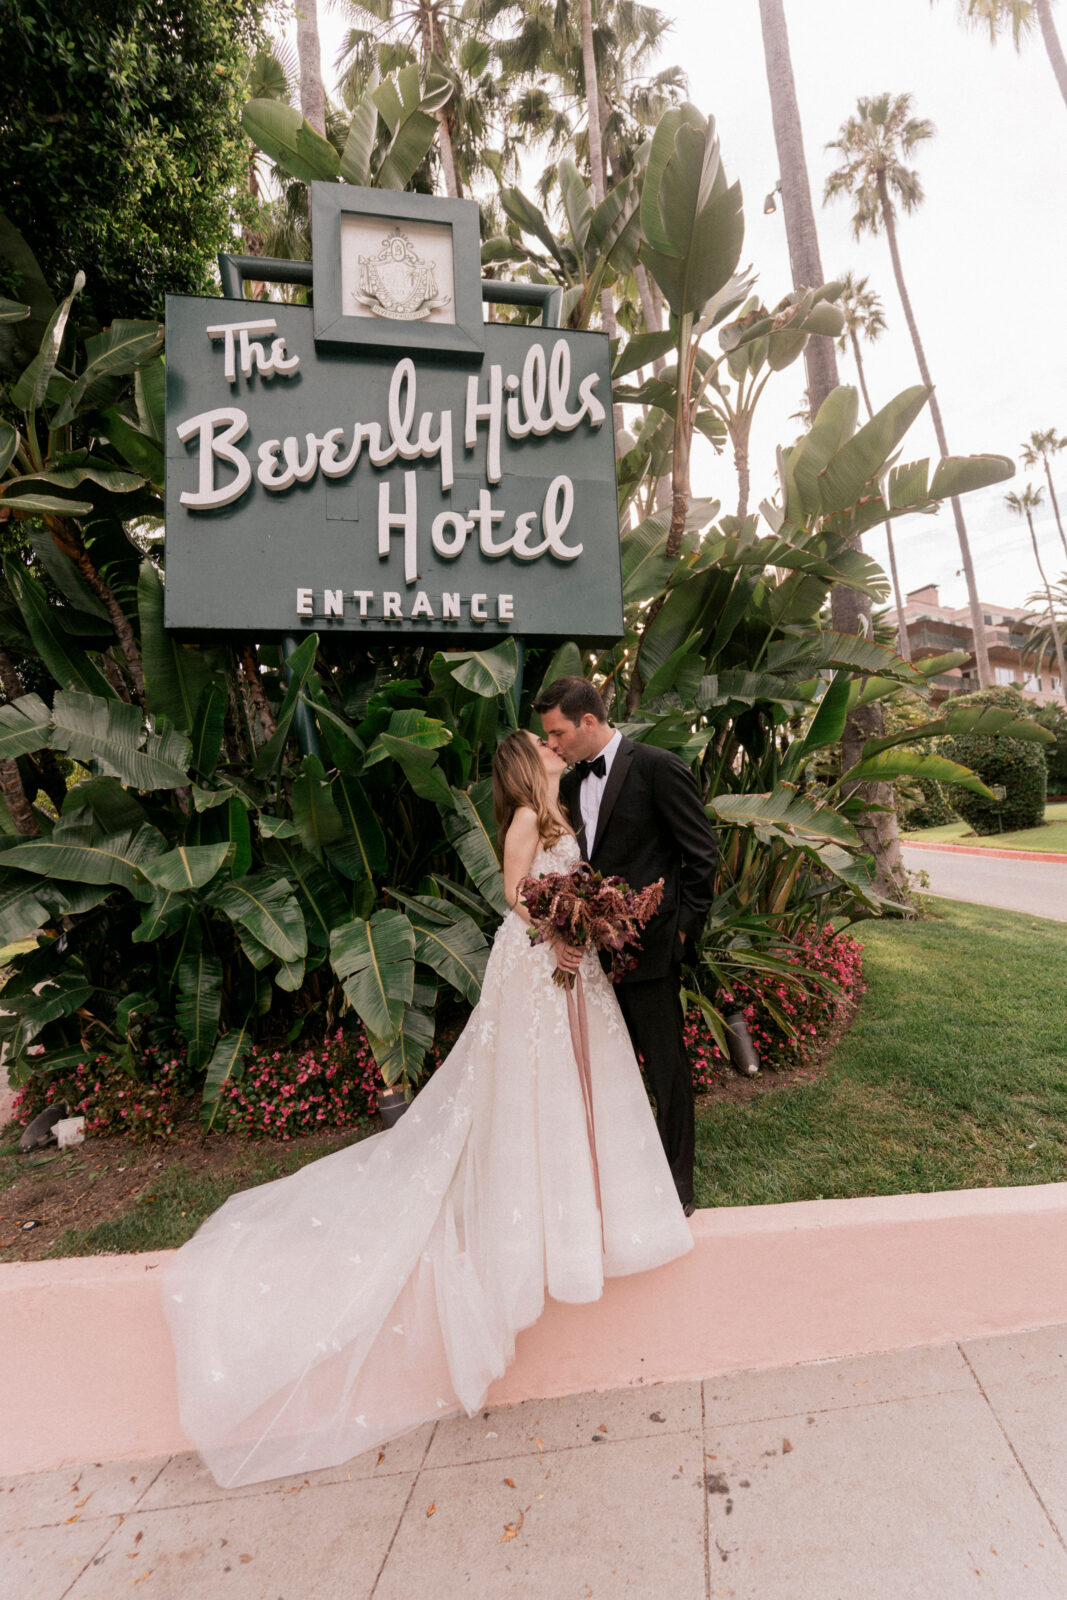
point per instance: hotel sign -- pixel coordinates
(385, 461)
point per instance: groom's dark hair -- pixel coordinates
(574, 697)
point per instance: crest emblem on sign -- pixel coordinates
(397, 283)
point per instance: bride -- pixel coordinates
(382, 1286)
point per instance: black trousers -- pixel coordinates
(653, 1013)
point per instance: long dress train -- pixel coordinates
(321, 1315)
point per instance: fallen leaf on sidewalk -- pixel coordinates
(510, 1482)
(141, 1579)
(512, 1528)
(602, 1427)
(786, 1447)
(431, 1509)
(539, 1445)
(74, 1518)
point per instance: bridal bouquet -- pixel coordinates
(582, 908)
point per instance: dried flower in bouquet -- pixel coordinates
(583, 909)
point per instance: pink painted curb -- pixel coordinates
(981, 850)
(88, 1375)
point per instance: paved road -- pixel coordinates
(1036, 887)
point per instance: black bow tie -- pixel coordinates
(591, 769)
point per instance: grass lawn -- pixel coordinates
(1052, 835)
(953, 1075)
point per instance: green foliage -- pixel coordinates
(121, 144)
(1053, 717)
(1019, 765)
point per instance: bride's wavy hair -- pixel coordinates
(519, 780)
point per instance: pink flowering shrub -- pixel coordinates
(283, 1093)
(112, 1101)
(810, 1011)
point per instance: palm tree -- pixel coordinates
(863, 314)
(312, 94)
(1024, 505)
(388, 34)
(874, 143)
(850, 610)
(1017, 17)
(1042, 446)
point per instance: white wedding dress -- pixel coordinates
(321, 1315)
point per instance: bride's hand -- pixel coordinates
(568, 959)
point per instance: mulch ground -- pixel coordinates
(101, 1179)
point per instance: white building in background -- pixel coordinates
(933, 629)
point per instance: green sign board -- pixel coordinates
(382, 463)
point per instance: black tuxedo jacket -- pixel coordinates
(652, 825)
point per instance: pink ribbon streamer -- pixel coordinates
(579, 1025)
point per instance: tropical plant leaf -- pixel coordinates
(226, 1065)
(69, 665)
(22, 912)
(359, 146)
(189, 866)
(164, 912)
(282, 133)
(409, 114)
(264, 905)
(299, 667)
(29, 391)
(73, 852)
(911, 764)
(108, 734)
(484, 672)
(25, 726)
(176, 676)
(198, 1004)
(315, 813)
(360, 851)
(447, 940)
(414, 727)
(785, 813)
(209, 725)
(375, 962)
(120, 349)
(400, 1058)
(468, 827)
(320, 896)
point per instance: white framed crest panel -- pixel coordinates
(396, 270)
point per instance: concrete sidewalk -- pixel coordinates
(931, 1472)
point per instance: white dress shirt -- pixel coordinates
(592, 790)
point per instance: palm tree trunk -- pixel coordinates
(903, 641)
(592, 101)
(859, 370)
(1055, 503)
(801, 236)
(1052, 44)
(15, 796)
(851, 611)
(309, 54)
(981, 650)
(431, 47)
(1057, 641)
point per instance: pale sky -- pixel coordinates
(982, 257)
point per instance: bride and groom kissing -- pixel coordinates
(320, 1315)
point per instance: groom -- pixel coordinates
(638, 814)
